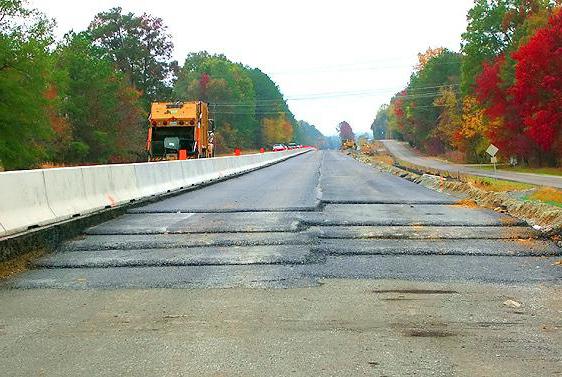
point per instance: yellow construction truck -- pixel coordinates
(179, 131)
(348, 144)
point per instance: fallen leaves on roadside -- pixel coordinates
(467, 203)
(18, 264)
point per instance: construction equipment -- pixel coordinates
(348, 144)
(179, 131)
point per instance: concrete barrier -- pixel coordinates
(97, 187)
(23, 201)
(66, 193)
(155, 178)
(34, 198)
(123, 184)
(107, 186)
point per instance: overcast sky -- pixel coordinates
(333, 60)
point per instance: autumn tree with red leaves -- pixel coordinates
(509, 92)
(537, 92)
(526, 115)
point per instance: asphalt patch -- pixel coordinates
(424, 232)
(178, 223)
(171, 241)
(464, 247)
(208, 256)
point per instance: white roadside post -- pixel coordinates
(494, 161)
(493, 151)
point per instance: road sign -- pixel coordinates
(492, 150)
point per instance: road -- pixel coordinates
(319, 265)
(403, 152)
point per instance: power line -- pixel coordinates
(365, 66)
(328, 95)
(280, 112)
(368, 62)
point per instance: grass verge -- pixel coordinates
(546, 195)
(521, 169)
(499, 185)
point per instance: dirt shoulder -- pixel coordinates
(517, 199)
(19, 264)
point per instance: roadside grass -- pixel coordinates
(521, 169)
(384, 159)
(546, 195)
(498, 185)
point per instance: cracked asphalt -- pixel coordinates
(310, 266)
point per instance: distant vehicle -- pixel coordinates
(292, 146)
(179, 131)
(279, 147)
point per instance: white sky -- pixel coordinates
(308, 47)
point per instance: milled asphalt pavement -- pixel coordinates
(297, 215)
(403, 152)
(319, 265)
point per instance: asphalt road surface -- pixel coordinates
(319, 265)
(403, 152)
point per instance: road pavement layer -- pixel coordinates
(299, 218)
(319, 265)
(403, 152)
(340, 328)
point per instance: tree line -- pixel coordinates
(247, 105)
(503, 87)
(85, 99)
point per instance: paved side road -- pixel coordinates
(403, 152)
(316, 266)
